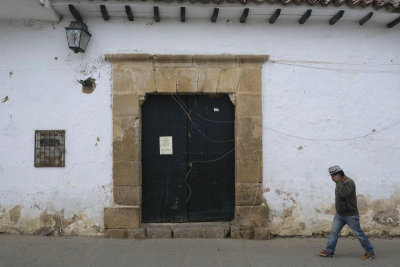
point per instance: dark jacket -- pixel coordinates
(346, 199)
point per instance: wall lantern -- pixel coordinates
(77, 36)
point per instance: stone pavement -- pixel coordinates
(95, 251)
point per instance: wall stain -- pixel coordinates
(15, 214)
(47, 223)
(378, 217)
(286, 195)
(387, 217)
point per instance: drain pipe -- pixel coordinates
(49, 5)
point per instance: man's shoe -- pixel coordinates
(325, 253)
(368, 256)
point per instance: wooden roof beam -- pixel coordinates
(393, 23)
(183, 14)
(156, 14)
(366, 18)
(336, 18)
(244, 15)
(75, 13)
(104, 12)
(214, 16)
(129, 13)
(305, 16)
(275, 16)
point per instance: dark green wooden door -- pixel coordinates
(194, 181)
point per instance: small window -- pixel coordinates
(49, 148)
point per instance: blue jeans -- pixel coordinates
(354, 223)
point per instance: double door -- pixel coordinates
(187, 158)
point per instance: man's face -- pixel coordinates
(335, 177)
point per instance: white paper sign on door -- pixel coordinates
(165, 145)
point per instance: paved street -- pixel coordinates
(89, 251)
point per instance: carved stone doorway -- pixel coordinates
(134, 76)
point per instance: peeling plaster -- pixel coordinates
(47, 223)
(378, 217)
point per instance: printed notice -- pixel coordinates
(165, 145)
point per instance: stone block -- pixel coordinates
(186, 80)
(240, 232)
(125, 105)
(166, 80)
(229, 80)
(251, 216)
(262, 233)
(126, 233)
(126, 150)
(259, 233)
(122, 217)
(215, 230)
(249, 149)
(208, 80)
(250, 127)
(218, 61)
(248, 105)
(251, 81)
(143, 78)
(187, 231)
(136, 233)
(173, 61)
(127, 173)
(248, 194)
(128, 195)
(122, 80)
(116, 233)
(161, 231)
(248, 171)
(126, 128)
(258, 60)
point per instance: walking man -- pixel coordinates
(346, 213)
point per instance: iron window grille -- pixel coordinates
(49, 148)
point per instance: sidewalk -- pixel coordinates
(90, 251)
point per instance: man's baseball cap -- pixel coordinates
(334, 169)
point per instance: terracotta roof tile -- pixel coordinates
(390, 5)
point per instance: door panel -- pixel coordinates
(163, 183)
(212, 190)
(208, 192)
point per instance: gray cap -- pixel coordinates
(334, 169)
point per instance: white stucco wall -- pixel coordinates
(322, 82)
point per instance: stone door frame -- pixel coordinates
(134, 76)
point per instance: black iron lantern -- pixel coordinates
(77, 36)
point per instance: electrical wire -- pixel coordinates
(277, 60)
(197, 128)
(190, 163)
(199, 115)
(333, 139)
(295, 136)
(335, 69)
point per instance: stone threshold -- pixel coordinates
(190, 230)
